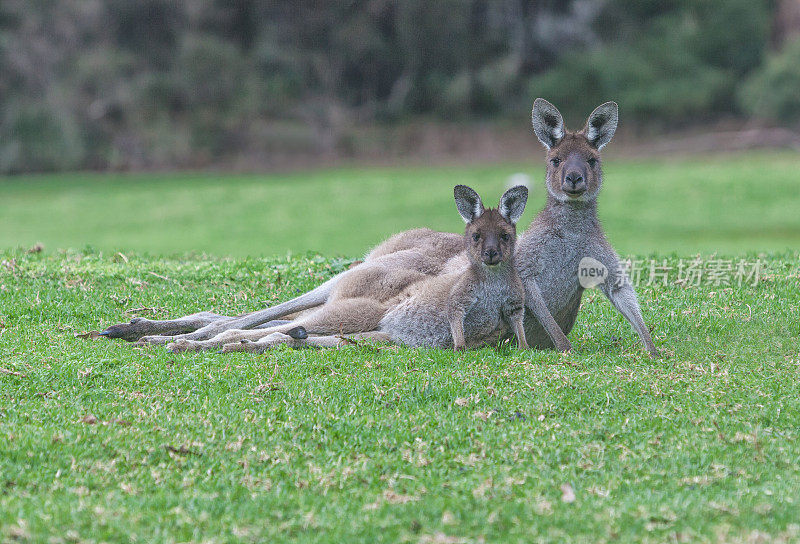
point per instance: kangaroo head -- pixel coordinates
(573, 158)
(491, 234)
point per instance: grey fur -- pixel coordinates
(479, 306)
(566, 231)
(547, 257)
(470, 303)
(512, 203)
(548, 124)
(209, 329)
(602, 124)
(468, 203)
(471, 307)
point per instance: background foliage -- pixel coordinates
(154, 83)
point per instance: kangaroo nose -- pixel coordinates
(491, 256)
(574, 178)
(574, 183)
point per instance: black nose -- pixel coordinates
(491, 256)
(574, 183)
(574, 178)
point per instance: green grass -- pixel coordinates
(103, 442)
(725, 204)
(364, 445)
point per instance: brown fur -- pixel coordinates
(489, 232)
(573, 157)
(414, 299)
(547, 257)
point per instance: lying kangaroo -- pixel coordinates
(475, 304)
(547, 257)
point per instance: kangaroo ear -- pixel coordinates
(547, 123)
(602, 124)
(468, 202)
(512, 203)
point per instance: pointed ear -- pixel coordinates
(468, 202)
(512, 203)
(602, 124)
(547, 123)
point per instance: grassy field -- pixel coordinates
(104, 442)
(727, 204)
(100, 441)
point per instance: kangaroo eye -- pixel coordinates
(504, 237)
(592, 162)
(555, 161)
(476, 236)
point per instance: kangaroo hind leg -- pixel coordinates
(139, 326)
(277, 339)
(345, 316)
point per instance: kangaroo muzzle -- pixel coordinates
(574, 183)
(492, 256)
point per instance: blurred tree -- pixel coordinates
(771, 92)
(122, 84)
(666, 62)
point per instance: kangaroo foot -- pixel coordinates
(298, 333)
(132, 331)
(180, 346)
(202, 326)
(140, 327)
(186, 343)
(243, 346)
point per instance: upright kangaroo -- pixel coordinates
(568, 230)
(476, 303)
(547, 254)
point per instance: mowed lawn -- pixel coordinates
(727, 204)
(101, 441)
(104, 442)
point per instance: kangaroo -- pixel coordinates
(476, 303)
(474, 307)
(548, 253)
(568, 230)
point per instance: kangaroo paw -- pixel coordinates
(243, 345)
(298, 333)
(140, 327)
(179, 346)
(184, 343)
(264, 344)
